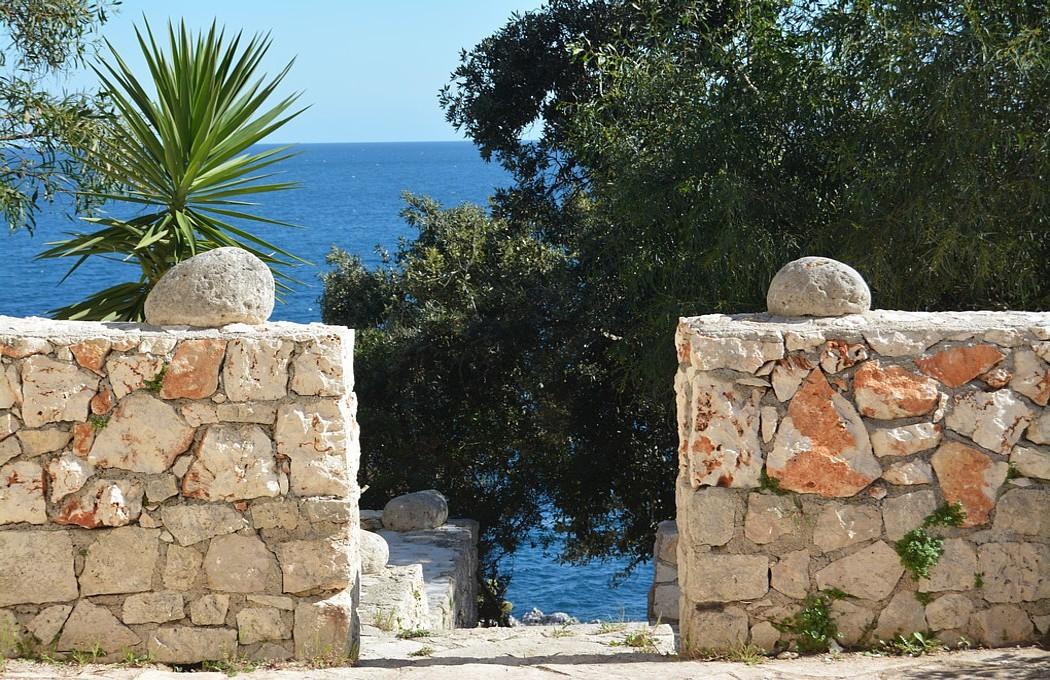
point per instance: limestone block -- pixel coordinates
(817, 286)
(46, 625)
(313, 435)
(191, 524)
(198, 413)
(10, 387)
(959, 365)
(853, 620)
(723, 447)
(1031, 377)
(323, 564)
(36, 567)
(256, 369)
(839, 355)
(181, 567)
(790, 575)
(371, 520)
(9, 448)
(394, 594)
(158, 607)
(91, 354)
(709, 514)
(262, 413)
(318, 369)
(892, 392)
(765, 636)
(666, 545)
(327, 628)
(768, 421)
(1002, 625)
(995, 420)
(709, 629)
(103, 503)
(375, 552)
(20, 347)
(194, 369)
(36, 442)
(969, 477)
(157, 344)
(822, 446)
(894, 343)
(903, 615)
(210, 609)
(240, 564)
(144, 434)
(120, 561)
(901, 514)
(418, 510)
(89, 627)
(22, 493)
(335, 510)
(788, 374)
(186, 644)
(710, 577)
(275, 601)
(1031, 462)
(161, 488)
(663, 602)
(909, 473)
(9, 424)
(769, 517)
(232, 462)
(259, 624)
(277, 514)
(1038, 431)
(955, 570)
(68, 474)
(215, 288)
(1014, 572)
(1024, 511)
(132, 372)
(708, 353)
(948, 612)
(53, 391)
(840, 525)
(870, 573)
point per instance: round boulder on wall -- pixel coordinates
(817, 286)
(414, 511)
(213, 289)
(375, 553)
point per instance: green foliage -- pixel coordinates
(425, 650)
(180, 158)
(813, 626)
(413, 633)
(98, 423)
(919, 551)
(41, 133)
(948, 515)
(1012, 472)
(156, 383)
(916, 644)
(767, 483)
(978, 580)
(642, 639)
(923, 598)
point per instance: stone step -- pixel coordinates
(393, 600)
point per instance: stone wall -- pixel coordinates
(809, 447)
(190, 494)
(664, 593)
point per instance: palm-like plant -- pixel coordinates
(182, 157)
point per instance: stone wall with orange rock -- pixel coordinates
(190, 494)
(810, 446)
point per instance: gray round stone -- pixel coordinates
(215, 288)
(413, 511)
(817, 286)
(375, 553)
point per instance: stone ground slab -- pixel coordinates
(582, 653)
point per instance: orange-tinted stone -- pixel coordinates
(893, 392)
(959, 365)
(194, 370)
(969, 477)
(102, 402)
(822, 446)
(91, 354)
(83, 438)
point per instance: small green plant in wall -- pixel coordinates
(155, 383)
(813, 625)
(767, 483)
(98, 423)
(920, 550)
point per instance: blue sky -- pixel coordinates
(371, 69)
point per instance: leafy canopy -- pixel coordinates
(41, 132)
(180, 153)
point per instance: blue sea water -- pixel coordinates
(350, 197)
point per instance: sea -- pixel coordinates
(350, 196)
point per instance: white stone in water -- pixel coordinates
(412, 511)
(215, 288)
(817, 286)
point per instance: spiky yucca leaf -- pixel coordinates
(180, 155)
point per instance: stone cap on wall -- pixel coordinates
(73, 331)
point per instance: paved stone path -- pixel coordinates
(583, 653)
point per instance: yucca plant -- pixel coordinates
(180, 153)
